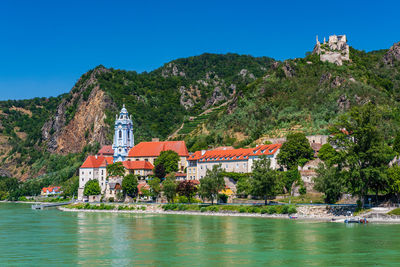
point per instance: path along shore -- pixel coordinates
(371, 217)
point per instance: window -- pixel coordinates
(237, 165)
(128, 134)
(102, 172)
(120, 134)
(146, 159)
(82, 179)
(90, 172)
(83, 172)
(226, 166)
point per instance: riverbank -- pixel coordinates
(304, 213)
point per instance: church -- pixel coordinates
(137, 159)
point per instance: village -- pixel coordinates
(140, 159)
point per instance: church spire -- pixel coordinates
(123, 135)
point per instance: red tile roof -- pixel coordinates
(51, 189)
(234, 154)
(142, 186)
(153, 149)
(97, 162)
(180, 174)
(106, 151)
(138, 165)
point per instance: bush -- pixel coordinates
(143, 208)
(242, 209)
(223, 198)
(285, 209)
(212, 209)
(203, 209)
(292, 210)
(22, 198)
(183, 199)
(111, 199)
(272, 210)
(263, 210)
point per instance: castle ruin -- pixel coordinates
(336, 50)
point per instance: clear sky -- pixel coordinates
(45, 46)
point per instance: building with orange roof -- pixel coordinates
(140, 168)
(231, 160)
(51, 191)
(106, 151)
(149, 151)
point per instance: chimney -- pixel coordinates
(95, 156)
(155, 140)
(203, 152)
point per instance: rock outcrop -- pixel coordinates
(66, 133)
(392, 55)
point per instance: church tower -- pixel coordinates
(123, 135)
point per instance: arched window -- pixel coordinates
(128, 133)
(120, 134)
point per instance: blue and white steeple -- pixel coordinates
(123, 135)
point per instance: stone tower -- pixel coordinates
(123, 135)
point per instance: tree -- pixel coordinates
(365, 154)
(116, 169)
(92, 187)
(329, 155)
(394, 181)
(169, 159)
(264, 179)
(155, 188)
(212, 183)
(396, 143)
(130, 185)
(330, 182)
(243, 186)
(169, 187)
(159, 171)
(187, 189)
(296, 149)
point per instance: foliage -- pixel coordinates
(212, 183)
(187, 189)
(92, 187)
(169, 187)
(169, 160)
(365, 154)
(329, 181)
(393, 174)
(295, 149)
(243, 186)
(115, 169)
(264, 180)
(159, 171)
(130, 185)
(329, 155)
(155, 188)
(394, 212)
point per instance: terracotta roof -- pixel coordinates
(234, 154)
(142, 186)
(106, 151)
(97, 162)
(138, 165)
(51, 189)
(180, 174)
(153, 149)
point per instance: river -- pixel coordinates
(54, 238)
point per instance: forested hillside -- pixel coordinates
(207, 100)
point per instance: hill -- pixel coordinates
(207, 100)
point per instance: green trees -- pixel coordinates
(116, 169)
(330, 182)
(130, 185)
(365, 154)
(296, 149)
(264, 180)
(155, 188)
(169, 187)
(187, 189)
(212, 183)
(394, 181)
(169, 160)
(159, 171)
(92, 187)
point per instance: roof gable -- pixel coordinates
(153, 149)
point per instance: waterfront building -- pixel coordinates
(149, 151)
(231, 160)
(140, 168)
(51, 191)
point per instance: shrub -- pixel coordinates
(292, 210)
(22, 198)
(143, 208)
(242, 209)
(271, 210)
(212, 208)
(263, 210)
(285, 209)
(111, 199)
(183, 199)
(203, 209)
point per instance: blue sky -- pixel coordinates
(45, 46)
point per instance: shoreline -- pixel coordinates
(299, 217)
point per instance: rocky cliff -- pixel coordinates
(80, 118)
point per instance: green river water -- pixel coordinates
(54, 238)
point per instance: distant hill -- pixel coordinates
(207, 100)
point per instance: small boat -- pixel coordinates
(363, 221)
(292, 217)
